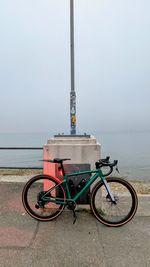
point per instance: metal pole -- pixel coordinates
(72, 93)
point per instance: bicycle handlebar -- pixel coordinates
(106, 163)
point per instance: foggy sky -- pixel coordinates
(112, 65)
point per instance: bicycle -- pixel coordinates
(113, 201)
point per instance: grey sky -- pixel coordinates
(112, 62)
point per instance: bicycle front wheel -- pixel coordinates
(37, 194)
(118, 213)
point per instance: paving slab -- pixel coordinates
(16, 229)
(26, 242)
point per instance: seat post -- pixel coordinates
(62, 167)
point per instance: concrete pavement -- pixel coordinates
(26, 242)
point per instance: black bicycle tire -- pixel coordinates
(26, 205)
(132, 210)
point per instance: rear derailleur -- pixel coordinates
(40, 199)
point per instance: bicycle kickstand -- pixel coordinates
(74, 215)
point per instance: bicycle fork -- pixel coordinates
(109, 191)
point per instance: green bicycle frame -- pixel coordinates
(64, 182)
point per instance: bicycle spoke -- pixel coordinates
(37, 196)
(113, 213)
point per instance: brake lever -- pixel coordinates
(117, 169)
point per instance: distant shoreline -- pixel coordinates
(19, 172)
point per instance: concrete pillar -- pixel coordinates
(81, 149)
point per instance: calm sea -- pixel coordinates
(131, 149)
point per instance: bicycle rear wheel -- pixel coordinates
(36, 191)
(118, 213)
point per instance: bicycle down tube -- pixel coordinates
(98, 173)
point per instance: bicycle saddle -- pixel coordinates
(56, 160)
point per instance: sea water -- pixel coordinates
(131, 150)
